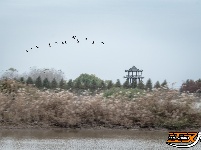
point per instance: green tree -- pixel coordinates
(126, 84)
(86, 80)
(46, 83)
(133, 84)
(94, 85)
(22, 80)
(164, 83)
(102, 85)
(157, 84)
(29, 80)
(62, 84)
(118, 83)
(149, 84)
(77, 84)
(38, 82)
(199, 80)
(140, 85)
(110, 84)
(54, 84)
(70, 84)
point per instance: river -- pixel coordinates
(62, 139)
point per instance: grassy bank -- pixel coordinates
(23, 105)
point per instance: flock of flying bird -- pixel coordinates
(74, 37)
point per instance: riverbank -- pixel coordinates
(162, 108)
(99, 128)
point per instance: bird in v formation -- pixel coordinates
(66, 42)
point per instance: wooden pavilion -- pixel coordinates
(134, 74)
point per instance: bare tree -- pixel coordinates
(11, 73)
(50, 74)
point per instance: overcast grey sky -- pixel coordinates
(162, 37)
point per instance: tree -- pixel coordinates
(199, 80)
(149, 84)
(50, 74)
(54, 84)
(110, 84)
(118, 83)
(62, 84)
(126, 84)
(86, 81)
(46, 83)
(164, 83)
(70, 84)
(11, 73)
(22, 80)
(157, 84)
(93, 85)
(140, 85)
(38, 82)
(191, 86)
(102, 85)
(29, 80)
(77, 84)
(133, 84)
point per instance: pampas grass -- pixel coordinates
(162, 108)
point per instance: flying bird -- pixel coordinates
(49, 45)
(26, 50)
(78, 41)
(102, 42)
(93, 42)
(56, 42)
(73, 37)
(62, 42)
(37, 47)
(65, 42)
(86, 38)
(31, 48)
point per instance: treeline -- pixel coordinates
(191, 86)
(91, 82)
(52, 79)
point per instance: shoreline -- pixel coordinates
(98, 128)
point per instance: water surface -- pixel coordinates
(37, 139)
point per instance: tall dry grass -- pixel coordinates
(162, 108)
